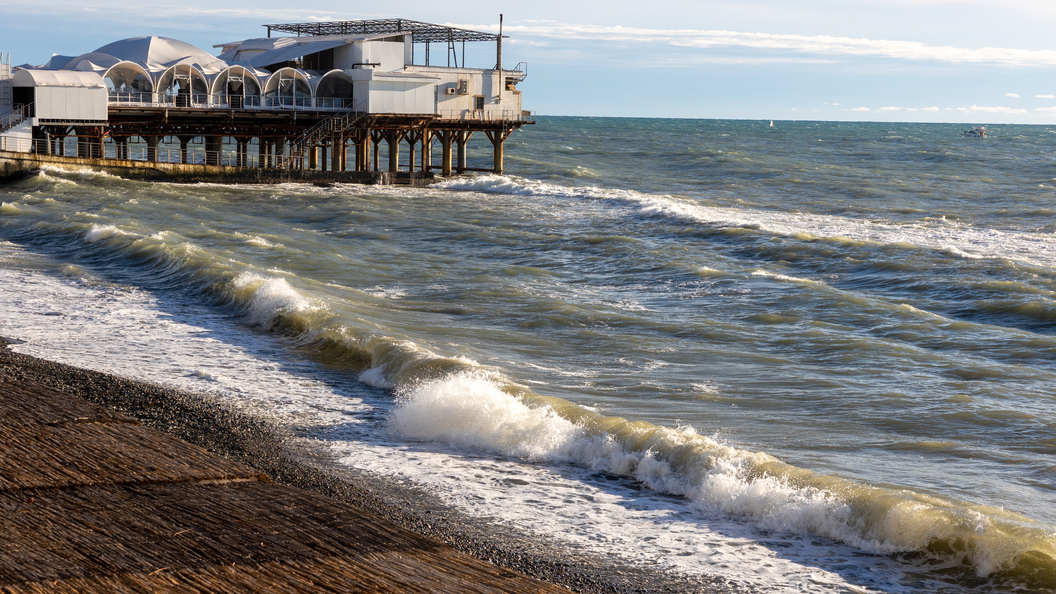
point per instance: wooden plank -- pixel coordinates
(92, 502)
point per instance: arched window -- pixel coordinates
(334, 91)
(236, 87)
(183, 85)
(288, 88)
(128, 82)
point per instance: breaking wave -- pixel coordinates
(473, 410)
(957, 240)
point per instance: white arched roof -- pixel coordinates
(164, 80)
(288, 73)
(221, 78)
(130, 67)
(317, 81)
(56, 78)
(155, 52)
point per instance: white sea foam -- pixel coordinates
(375, 376)
(956, 238)
(100, 232)
(269, 297)
(260, 242)
(468, 410)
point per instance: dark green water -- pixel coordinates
(830, 347)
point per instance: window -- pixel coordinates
(478, 102)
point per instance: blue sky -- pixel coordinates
(930, 61)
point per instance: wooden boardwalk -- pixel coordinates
(92, 501)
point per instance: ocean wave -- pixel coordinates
(472, 410)
(954, 238)
(100, 232)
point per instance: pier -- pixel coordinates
(340, 101)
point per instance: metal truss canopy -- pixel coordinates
(420, 32)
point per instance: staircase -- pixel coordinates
(16, 117)
(339, 123)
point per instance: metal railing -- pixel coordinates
(131, 99)
(339, 122)
(259, 102)
(16, 117)
(485, 115)
(161, 154)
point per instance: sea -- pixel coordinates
(807, 357)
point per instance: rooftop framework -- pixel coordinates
(421, 32)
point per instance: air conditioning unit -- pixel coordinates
(450, 90)
(463, 87)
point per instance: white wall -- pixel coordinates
(489, 83)
(390, 54)
(401, 97)
(70, 103)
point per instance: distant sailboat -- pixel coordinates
(771, 123)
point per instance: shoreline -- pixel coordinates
(295, 461)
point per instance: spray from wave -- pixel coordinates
(472, 410)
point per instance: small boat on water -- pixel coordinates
(977, 132)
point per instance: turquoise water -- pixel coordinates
(705, 345)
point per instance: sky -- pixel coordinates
(961, 61)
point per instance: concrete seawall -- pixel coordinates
(14, 165)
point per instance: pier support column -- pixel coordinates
(97, 143)
(461, 140)
(394, 150)
(412, 139)
(262, 152)
(121, 147)
(498, 140)
(278, 152)
(241, 152)
(446, 138)
(375, 138)
(185, 154)
(152, 148)
(337, 153)
(360, 138)
(313, 157)
(82, 143)
(214, 145)
(427, 150)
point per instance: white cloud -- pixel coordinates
(912, 109)
(929, 109)
(1046, 109)
(810, 44)
(860, 109)
(988, 109)
(890, 108)
(1014, 95)
(1045, 96)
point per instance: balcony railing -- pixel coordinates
(485, 115)
(258, 102)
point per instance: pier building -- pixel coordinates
(340, 97)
